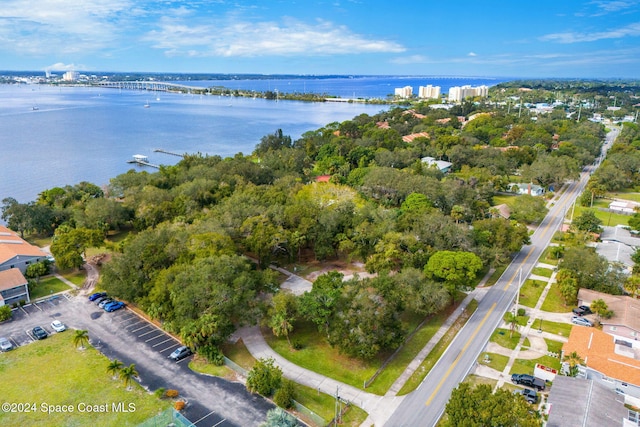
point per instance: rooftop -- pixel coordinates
(626, 310)
(11, 278)
(12, 245)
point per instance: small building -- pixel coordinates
(411, 137)
(530, 189)
(625, 322)
(13, 287)
(16, 252)
(623, 207)
(440, 164)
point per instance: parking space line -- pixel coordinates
(162, 342)
(127, 316)
(140, 328)
(169, 348)
(146, 333)
(151, 339)
(67, 297)
(182, 360)
(133, 324)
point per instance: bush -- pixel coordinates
(521, 312)
(212, 354)
(5, 313)
(285, 395)
(264, 378)
(171, 393)
(297, 345)
(159, 392)
(179, 405)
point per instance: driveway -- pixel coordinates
(124, 336)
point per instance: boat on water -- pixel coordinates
(35, 108)
(147, 105)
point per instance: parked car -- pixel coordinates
(528, 380)
(113, 306)
(5, 344)
(581, 321)
(530, 395)
(100, 299)
(58, 326)
(97, 295)
(105, 301)
(582, 310)
(39, 333)
(180, 353)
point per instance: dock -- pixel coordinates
(142, 160)
(171, 153)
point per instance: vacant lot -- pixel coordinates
(53, 372)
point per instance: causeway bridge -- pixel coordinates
(150, 86)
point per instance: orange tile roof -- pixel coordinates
(11, 245)
(410, 138)
(597, 349)
(11, 278)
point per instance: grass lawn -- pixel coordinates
(562, 329)
(76, 277)
(199, 364)
(547, 258)
(553, 346)
(52, 371)
(495, 361)
(318, 356)
(608, 218)
(522, 366)
(626, 194)
(476, 380)
(238, 353)
(324, 405)
(47, 286)
(438, 350)
(554, 303)
(540, 271)
(500, 199)
(501, 337)
(530, 292)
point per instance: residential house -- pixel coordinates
(16, 252)
(13, 287)
(440, 164)
(531, 189)
(625, 322)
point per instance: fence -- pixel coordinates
(233, 365)
(169, 417)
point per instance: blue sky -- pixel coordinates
(509, 38)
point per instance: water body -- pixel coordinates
(53, 136)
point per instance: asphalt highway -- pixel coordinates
(425, 406)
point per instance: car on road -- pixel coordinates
(113, 306)
(180, 353)
(105, 302)
(97, 295)
(530, 395)
(582, 310)
(5, 344)
(58, 326)
(581, 321)
(39, 333)
(528, 380)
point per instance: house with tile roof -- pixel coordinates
(625, 322)
(16, 252)
(610, 361)
(13, 287)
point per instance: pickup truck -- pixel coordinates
(529, 381)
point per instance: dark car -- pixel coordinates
(528, 380)
(530, 395)
(97, 295)
(180, 353)
(113, 306)
(39, 333)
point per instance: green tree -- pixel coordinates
(528, 209)
(456, 269)
(574, 360)
(632, 285)
(81, 338)
(114, 368)
(264, 378)
(35, 271)
(601, 309)
(282, 314)
(319, 304)
(5, 313)
(512, 321)
(70, 244)
(285, 394)
(127, 374)
(587, 221)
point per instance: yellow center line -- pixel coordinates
(455, 362)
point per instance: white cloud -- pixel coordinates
(631, 30)
(412, 59)
(608, 6)
(472, 54)
(250, 39)
(60, 66)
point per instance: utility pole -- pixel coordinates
(515, 309)
(337, 409)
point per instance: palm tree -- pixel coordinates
(599, 307)
(574, 360)
(511, 320)
(127, 374)
(114, 367)
(81, 338)
(281, 325)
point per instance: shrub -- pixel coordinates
(297, 345)
(5, 313)
(521, 312)
(264, 378)
(285, 395)
(179, 405)
(212, 354)
(159, 392)
(171, 393)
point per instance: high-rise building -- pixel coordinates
(70, 76)
(429, 92)
(404, 92)
(458, 93)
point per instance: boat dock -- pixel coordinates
(142, 160)
(160, 150)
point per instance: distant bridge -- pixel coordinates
(149, 85)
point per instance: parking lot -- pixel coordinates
(125, 336)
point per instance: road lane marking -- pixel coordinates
(457, 359)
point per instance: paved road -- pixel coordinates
(425, 406)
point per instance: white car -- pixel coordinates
(581, 321)
(58, 326)
(5, 344)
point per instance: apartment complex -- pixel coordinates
(404, 92)
(458, 93)
(429, 92)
